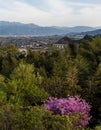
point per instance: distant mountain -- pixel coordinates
(16, 28)
(94, 32)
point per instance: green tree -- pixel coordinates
(23, 86)
(71, 81)
(8, 59)
(55, 86)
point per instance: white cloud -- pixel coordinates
(59, 12)
(22, 12)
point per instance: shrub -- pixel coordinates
(34, 118)
(57, 122)
(12, 117)
(20, 118)
(98, 128)
(70, 107)
(3, 96)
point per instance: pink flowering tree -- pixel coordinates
(70, 106)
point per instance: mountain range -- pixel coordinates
(16, 28)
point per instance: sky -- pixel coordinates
(52, 12)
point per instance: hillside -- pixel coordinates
(57, 89)
(94, 32)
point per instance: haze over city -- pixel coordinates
(52, 12)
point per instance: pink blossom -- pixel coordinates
(70, 106)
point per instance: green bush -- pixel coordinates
(3, 96)
(57, 122)
(98, 128)
(11, 118)
(34, 118)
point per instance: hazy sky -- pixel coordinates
(52, 12)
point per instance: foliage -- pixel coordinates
(27, 81)
(65, 122)
(8, 59)
(33, 118)
(72, 81)
(98, 128)
(23, 86)
(11, 118)
(70, 106)
(55, 86)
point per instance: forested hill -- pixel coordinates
(58, 89)
(68, 40)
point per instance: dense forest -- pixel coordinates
(59, 89)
